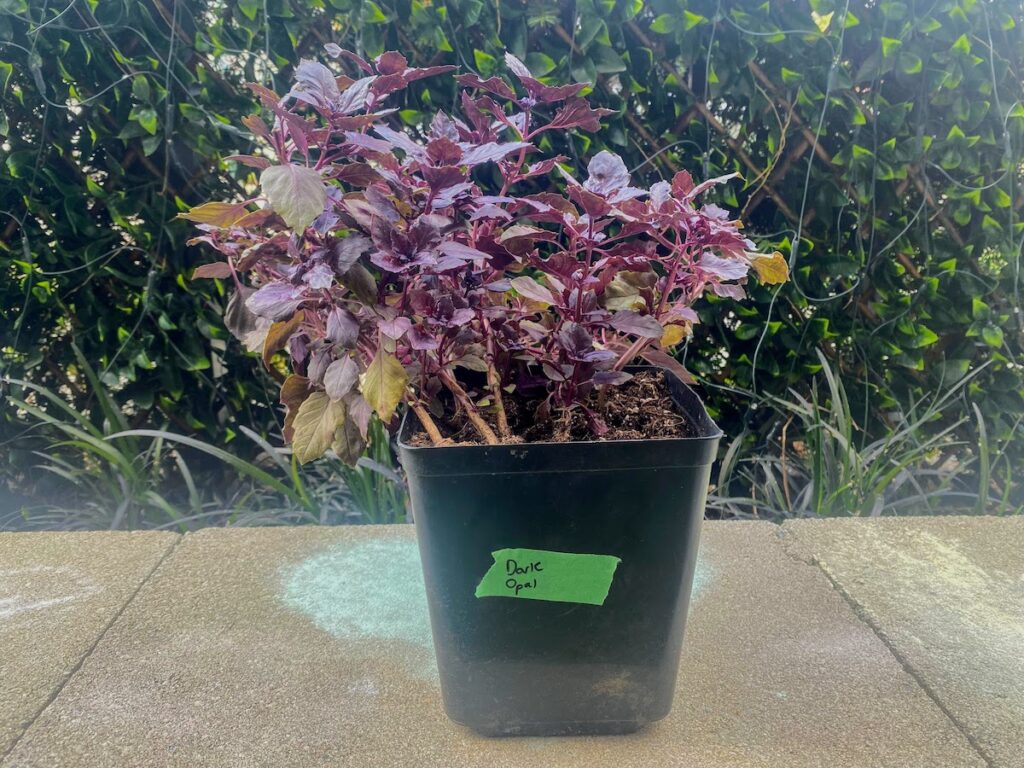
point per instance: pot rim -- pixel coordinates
(710, 432)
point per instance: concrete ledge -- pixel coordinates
(58, 593)
(947, 595)
(311, 647)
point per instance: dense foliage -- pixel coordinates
(384, 264)
(880, 146)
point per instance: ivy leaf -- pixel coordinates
(691, 19)
(314, 426)
(485, 63)
(665, 24)
(772, 269)
(296, 192)
(910, 63)
(540, 64)
(146, 117)
(383, 384)
(992, 335)
(822, 21)
(890, 45)
(962, 45)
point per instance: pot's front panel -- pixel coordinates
(537, 647)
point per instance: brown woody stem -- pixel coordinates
(631, 353)
(494, 382)
(499, 404)
(428, 424)
(481, 426)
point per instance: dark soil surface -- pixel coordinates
(640, 409)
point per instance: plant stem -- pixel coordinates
(428, 424)
(494, 382)
(629, 354)
(499, 403)
(481, 426)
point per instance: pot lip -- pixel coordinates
(713, 433)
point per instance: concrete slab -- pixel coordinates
(947, 593)
(310, 647)
(58, 593)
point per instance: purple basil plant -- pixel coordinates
(383, 262)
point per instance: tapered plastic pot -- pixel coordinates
(558, 575)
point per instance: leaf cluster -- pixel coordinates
(384, 264)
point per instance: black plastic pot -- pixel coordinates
(515, 665)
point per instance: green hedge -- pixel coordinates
(904, 233)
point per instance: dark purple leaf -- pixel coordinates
(353, 98)
(443, 127)
(547, 94)
(340, 377)
(490, 211)
(348, 250)
(391, 63)
(342, 327)
(419, 73)
(729, 291)
(724, 269)
(577, 113)
(633, 323)
(363, 141)
(491, 151)
(614, 378)
(385, 84)
(461, 251)
(315, 84)
(706, 185)
(449, 195)
(607, 174)
(319, 277)
(494, 85)
(335, 51)
(559, 373)
(275, 301)
(395, 328)
(444, 176)
(401, 141)
(421, 340)
(219, 269)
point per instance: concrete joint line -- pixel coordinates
(74, 670)
(863, 616)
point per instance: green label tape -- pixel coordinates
(560, 577)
